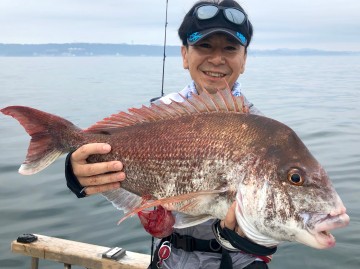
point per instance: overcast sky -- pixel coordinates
(318, 24)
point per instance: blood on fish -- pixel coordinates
(159, 222)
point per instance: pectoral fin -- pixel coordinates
(193, 199)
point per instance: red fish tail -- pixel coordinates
(49, 136)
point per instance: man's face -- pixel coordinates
(214, 59)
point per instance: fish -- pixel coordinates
(196, 157)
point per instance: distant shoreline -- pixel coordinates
(99, 49)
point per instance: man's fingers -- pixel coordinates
(230, 219)
(239, 231)
(101, 179)
(93, 169)
(102, 188)
(82, 153)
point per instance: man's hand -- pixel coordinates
(96, 177)
(230, 221)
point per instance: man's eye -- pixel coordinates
(204, 45)
(230, 48)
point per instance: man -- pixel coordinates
(215, 37)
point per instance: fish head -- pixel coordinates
(288, 196)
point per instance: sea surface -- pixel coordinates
(317, 96)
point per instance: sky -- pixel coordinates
(315, 24)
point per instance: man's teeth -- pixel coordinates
(217, 75)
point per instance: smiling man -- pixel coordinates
(214, 59)
(215, 36)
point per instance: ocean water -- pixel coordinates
(318, 96)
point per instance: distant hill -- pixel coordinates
(301, 52)
(96, 49)
(85, 49)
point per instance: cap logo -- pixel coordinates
(194, 37)
(241, 37)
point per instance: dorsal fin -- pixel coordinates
(221, 101)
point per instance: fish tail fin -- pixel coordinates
(49, 134)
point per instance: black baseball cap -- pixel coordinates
(193, 29)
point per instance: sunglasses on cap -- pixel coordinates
(232, 14)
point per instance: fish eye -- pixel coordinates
(295, 177)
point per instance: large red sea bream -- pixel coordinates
(197, 157)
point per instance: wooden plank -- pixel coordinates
(77, 253)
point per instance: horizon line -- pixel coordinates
(158, 45)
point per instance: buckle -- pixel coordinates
(184, 242)
(214, 245)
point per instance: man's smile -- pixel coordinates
(214, 74)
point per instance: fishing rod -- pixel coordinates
(156, 98)
(164, 56)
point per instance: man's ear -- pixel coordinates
(184, 54)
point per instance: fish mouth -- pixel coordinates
(320, 229)
(325, 239)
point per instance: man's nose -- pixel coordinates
(217, 58)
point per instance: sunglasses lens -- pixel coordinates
(234, 15)
(206, 12)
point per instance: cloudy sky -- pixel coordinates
(318, 24)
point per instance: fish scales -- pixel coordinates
(173, 152)
(183, 143)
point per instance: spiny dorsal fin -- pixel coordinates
(221, 101)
